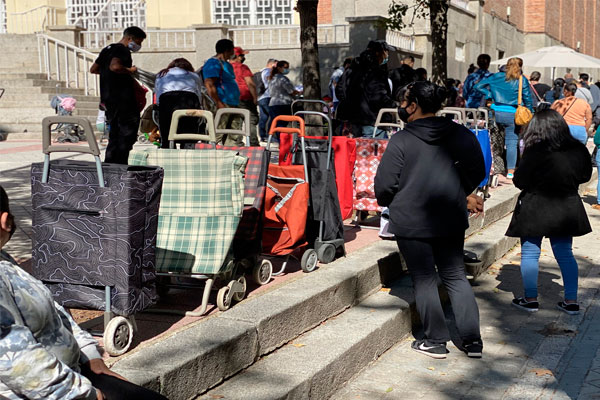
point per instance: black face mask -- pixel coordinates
(403, 114)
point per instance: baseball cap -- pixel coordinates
(238, 51)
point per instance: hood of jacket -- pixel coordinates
(431, 129)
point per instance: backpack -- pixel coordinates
(259, 83)
(342, 92)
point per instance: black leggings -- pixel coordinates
(117, 389)
(422, 256)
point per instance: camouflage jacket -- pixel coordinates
(41, 346)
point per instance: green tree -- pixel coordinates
(437, 12)
(311, 78)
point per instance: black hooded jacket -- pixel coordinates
(364, 91)
(425, 175)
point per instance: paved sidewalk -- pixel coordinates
(544, 355)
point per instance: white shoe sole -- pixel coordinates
(529, 310)
(432, 355)
(567, 311)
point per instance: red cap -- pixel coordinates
(238, 51)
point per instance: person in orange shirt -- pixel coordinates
(576, 112)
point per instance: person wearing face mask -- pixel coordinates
(44, 354)
(426, 178)
(248, 95)
(365, 90)
(282, 91)
(117, 93)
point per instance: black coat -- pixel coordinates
(549, 203)
(425, 175)
(365, 90)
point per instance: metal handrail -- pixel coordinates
(60, 67)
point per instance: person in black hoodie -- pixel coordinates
(553, 166)
(426, 177)
(365, 89)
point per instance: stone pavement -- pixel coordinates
(544, 355)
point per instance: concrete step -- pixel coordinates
(18, 128)
(191, 362)
(22, 75)
(11, 97)
(42, 90)
(37, 102)
(318, 363)
(7, 83)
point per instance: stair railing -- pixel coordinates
(62, 61)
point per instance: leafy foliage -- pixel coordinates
(397, 13)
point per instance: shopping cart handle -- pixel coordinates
(287, 118)
(210, 126)
(48, 148)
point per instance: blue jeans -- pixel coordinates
(579, 133)
(366, 131)
(563, 253)
(264, 122)
(598, 166)
(511, 137)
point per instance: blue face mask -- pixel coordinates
(385, 61)
(286, 71)
(134, 47)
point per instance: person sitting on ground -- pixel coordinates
(282, 91)
(426, 178)
(177, 87)
(474, 98)
(44, 354)
(576, 112)
(553, 166)
(219, 79)
(248, 95)
(556, 93)
(503, 89)
(366, 91)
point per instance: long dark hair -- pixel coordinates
(427, 95)
(557, 87)
(275, 69)
(179, 63)
(548, 130)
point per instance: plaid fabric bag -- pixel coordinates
(201, 207)
(255, 178)
(368, 156)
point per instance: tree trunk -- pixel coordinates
(311, 79)
(438, 17)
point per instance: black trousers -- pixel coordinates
(422, 256)
(116, 389)
(124, 126)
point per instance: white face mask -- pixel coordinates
(134, 47)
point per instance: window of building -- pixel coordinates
(99, 15)
(2, 16)
(253, 12)
(500, 54)
(459, 52)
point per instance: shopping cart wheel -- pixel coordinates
(326, 253)
(309, 260)
(238, 295)
(262, 273)
(118, 336)
(223, 298)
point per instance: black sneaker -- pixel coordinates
(431, 350)
(529, 306)
(473, 349)
(571, 309)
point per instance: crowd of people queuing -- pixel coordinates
(426, 178)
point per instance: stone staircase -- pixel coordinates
(27, 95)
